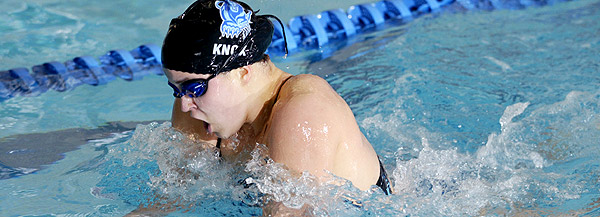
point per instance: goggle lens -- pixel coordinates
(192, 88)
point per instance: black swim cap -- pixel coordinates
(211, 37)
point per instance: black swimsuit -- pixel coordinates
(383, 182)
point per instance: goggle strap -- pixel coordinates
(282, 29)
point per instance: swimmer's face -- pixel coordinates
(221, 107)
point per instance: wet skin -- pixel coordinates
(304, 123)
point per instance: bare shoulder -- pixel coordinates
(313, 129)
(310, 90)
(310, 83)
(311, 100)
(308, 124)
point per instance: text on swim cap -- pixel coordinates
(227, 49)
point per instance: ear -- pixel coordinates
(246, 73)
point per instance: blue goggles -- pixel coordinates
(192, 88)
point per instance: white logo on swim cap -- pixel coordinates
(227, 49)
(236, 21)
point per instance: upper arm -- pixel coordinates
(300, 140)
(305, 129)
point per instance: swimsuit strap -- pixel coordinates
(219, 146)
(280, 87)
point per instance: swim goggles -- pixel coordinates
(192, 88)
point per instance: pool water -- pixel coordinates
(473, 113)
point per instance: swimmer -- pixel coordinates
(229, 93)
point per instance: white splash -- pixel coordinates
(503, 65)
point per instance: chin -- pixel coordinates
(227, 133)
(222, 135)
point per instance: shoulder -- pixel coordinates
(308, 89)
(313, 129)
(305, 100)
(308, 122)
(309, 81)
(309, 98)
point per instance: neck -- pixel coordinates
(269, 83)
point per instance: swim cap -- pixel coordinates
(211, 37)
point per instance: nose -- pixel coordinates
(187, 103)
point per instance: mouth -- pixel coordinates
(208, 128)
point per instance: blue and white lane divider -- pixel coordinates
(127, 65)
(303, 32)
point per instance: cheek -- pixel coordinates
(218, 98)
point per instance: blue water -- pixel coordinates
(473, 113)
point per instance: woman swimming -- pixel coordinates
(230, 94)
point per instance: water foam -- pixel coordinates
(160, 167)
(519, 169)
